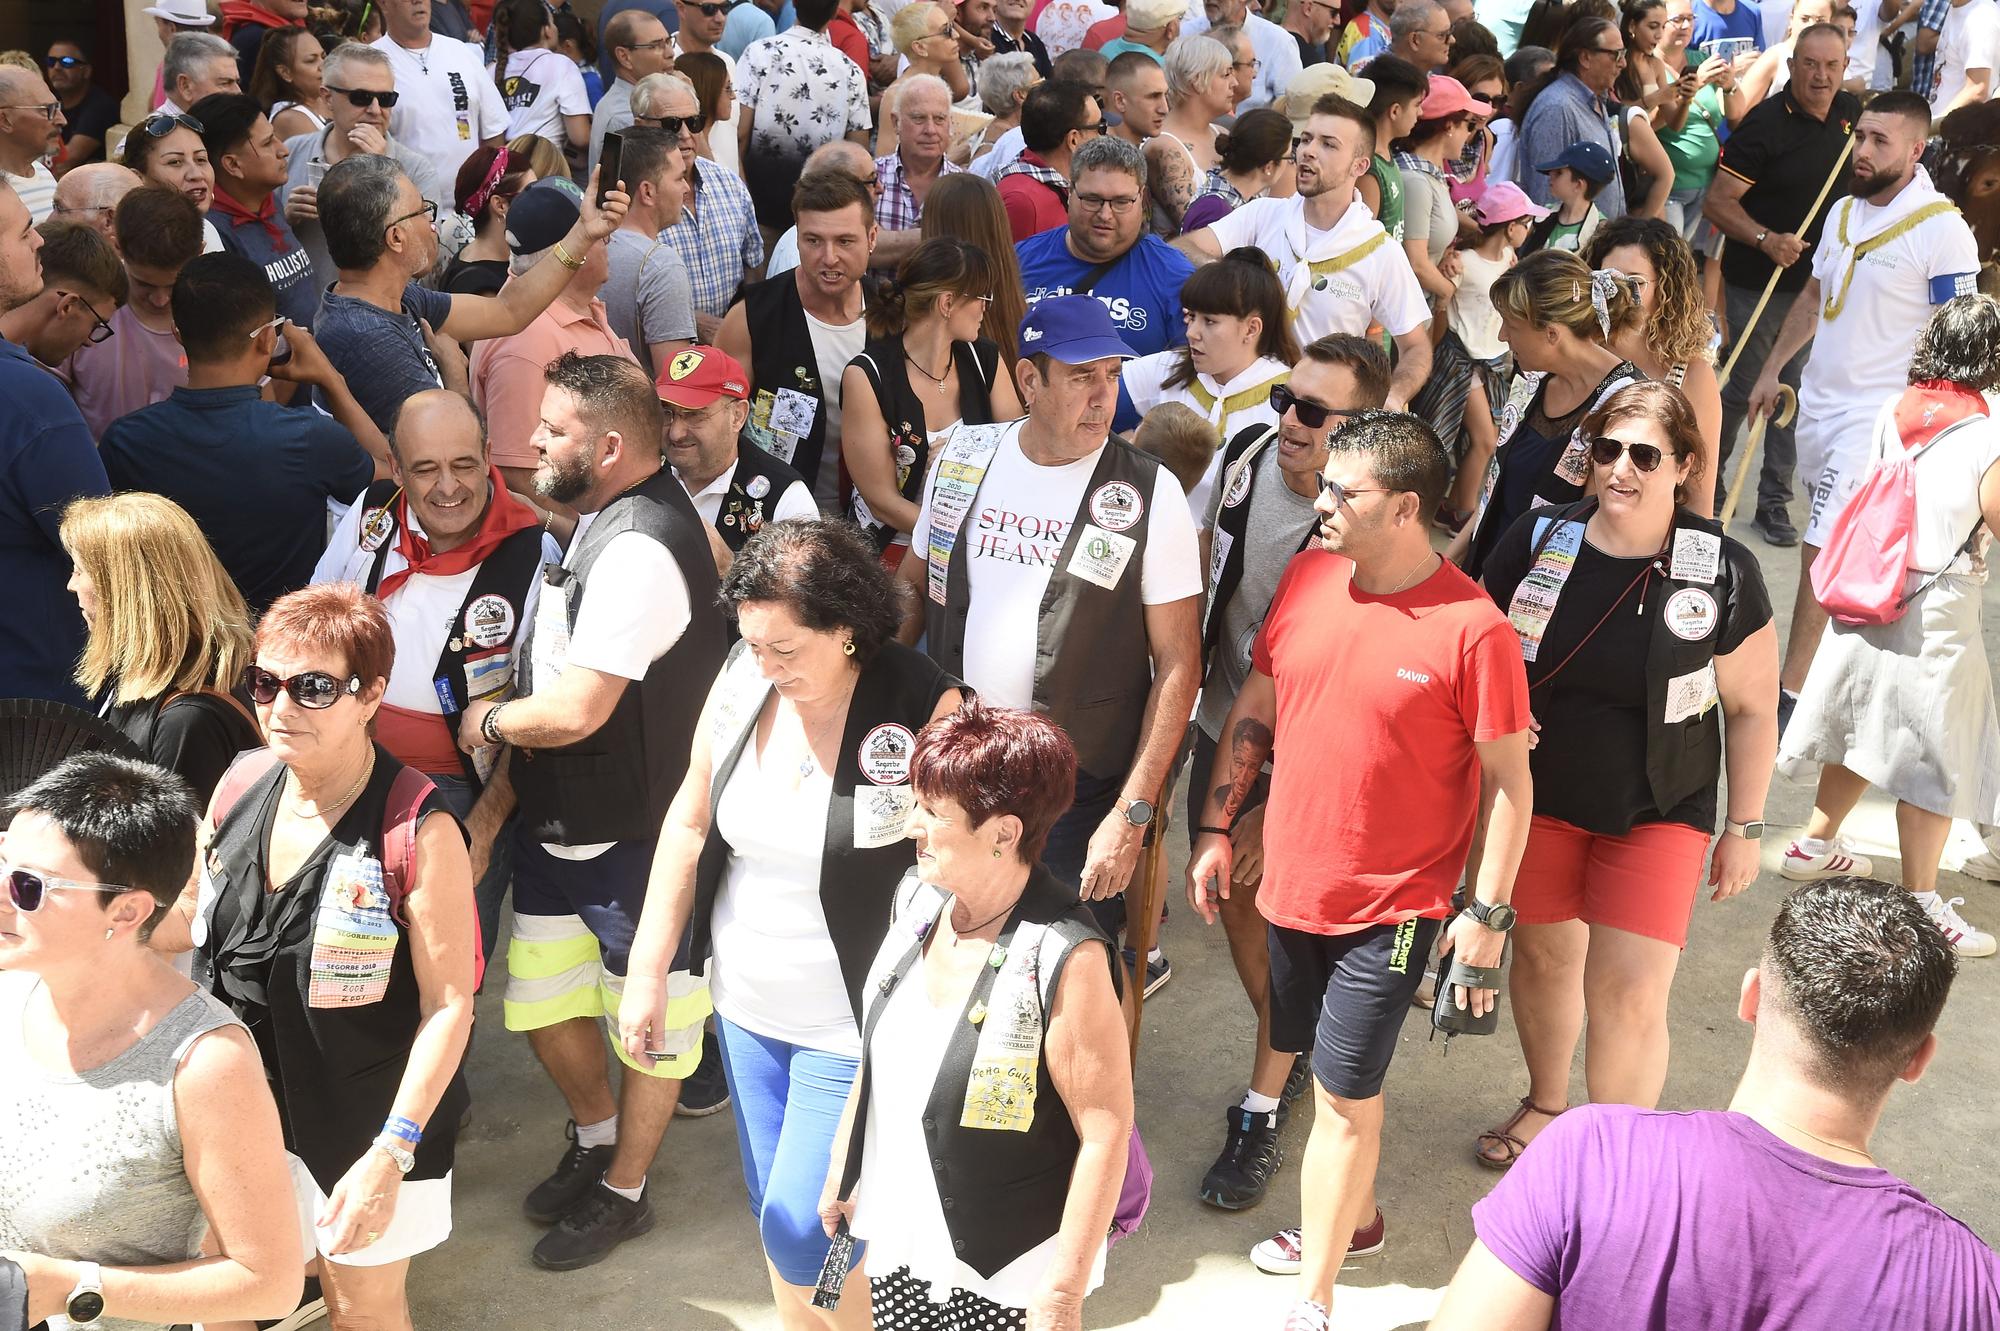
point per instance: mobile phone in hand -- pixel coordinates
(609, 163)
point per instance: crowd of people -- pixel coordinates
(758, 505)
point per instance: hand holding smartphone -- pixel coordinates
(609, 163)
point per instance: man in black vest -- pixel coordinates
(1260, 515)
(736, 487)
(626, 639)
(1058, 569)
(808, 326)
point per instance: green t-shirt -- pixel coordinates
(1694, 148)
(1389, 180)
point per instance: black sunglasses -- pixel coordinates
(361, 97)
(161, 123)
(675, 125)
(29, 888)
(309, 688)
(61, 61)
(1311, 414)
(1605, 450)
(707, 11)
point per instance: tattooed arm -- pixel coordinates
(1247, 737)
(1169, 176)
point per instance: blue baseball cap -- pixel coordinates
(1592, 161)
(1074, 330)
(541, 215)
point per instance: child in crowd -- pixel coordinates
(1181, 438)
(1575, 179)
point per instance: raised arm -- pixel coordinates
(474, 318)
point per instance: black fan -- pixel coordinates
(36, 734)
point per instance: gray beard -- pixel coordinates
(564, 482)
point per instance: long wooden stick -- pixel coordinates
(1743, 335)
(1787, 407)
(1143, 898)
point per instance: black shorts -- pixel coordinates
(1344, 998)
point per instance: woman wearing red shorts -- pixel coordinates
(1651, 659)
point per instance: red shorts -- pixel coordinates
(1643, 882)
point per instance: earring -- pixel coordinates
(996, 855)
(847, 648)
(109, 932)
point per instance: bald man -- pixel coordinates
(90, 193)
(31, 124)
(841, 155)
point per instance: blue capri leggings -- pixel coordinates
(787, 1100)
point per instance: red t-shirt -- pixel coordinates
(1102, 31)
(846, 34)
(1375, 780)
(1031, 206)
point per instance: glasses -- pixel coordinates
(870, 181)
(1681, 21)
(47, 109)
(664, 42)
(1243, 64)
(102, 330)
(28, 888)
(1341, 493)
(1311, 414)
(60, 61)
(429, 212)
(1438, 36)
(1092, 204)
(161, 123)
(1617, 53)
(1605, 450)
(363, 97)
(706, 11)
(309, 688)
(72, 208)
(950, 29)
(1095, 127)
(277, 323)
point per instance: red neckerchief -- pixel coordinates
(1928, 406)
(236, 13)
(220, 201)
(504, 516)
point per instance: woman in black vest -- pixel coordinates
(169, 634)
(1556, 316)
(986, 1179)
(777, 862)
(347, 947)
(1643, 627)
(924, 370)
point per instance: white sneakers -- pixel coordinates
(1804, 865)
(1982, 864)
(1964, 939)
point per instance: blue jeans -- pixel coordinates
(491, 890)
(787, 1100)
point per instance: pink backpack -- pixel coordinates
(1860, 574)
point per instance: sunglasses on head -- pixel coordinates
(361, 97)
(161, 123)
(309, 688)
(1310, 414)
(1605, 450)
(28, 888)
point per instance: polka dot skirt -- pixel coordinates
(903, 1303)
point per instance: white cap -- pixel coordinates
(187, 13)
(1152, 15)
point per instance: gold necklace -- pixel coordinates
(320, 810)
(1838, 1146)
(1413, 573)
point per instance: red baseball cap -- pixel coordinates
(693, 378)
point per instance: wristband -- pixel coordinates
(489, 725)
(403, 1128)
(1219, 831)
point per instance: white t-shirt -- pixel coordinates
(1380, 288)
(635, 610)
(1145, 383)
(541, 87)
(37, 190)
(1472, 314)
(833, 346)
(795, 502)
(784, 253)
(1012, 539)
(1967, 41)
(1006, 151)
(447, 102)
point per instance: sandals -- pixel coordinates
(1503, 1136)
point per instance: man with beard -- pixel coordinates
(1380, 640)
(1891, 254)
(1341, 271)
(601, 740)
(31, 126)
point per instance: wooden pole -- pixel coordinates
(1142, 904)
(1788, 407)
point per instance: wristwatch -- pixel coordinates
(1139, 813)
(395, 1150)
(1759, 242)
(1752, 831)
(85, 1303)
(1498, 918)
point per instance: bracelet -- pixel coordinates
(1219, 831)
(489, 725)
(403, 1128)
(563, 257)
(389, 1146)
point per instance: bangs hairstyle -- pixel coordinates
(1403, 453)
(1677, 329)
(336, 618)
(826, 573)
(1664, 406)
(73, 254)
(169, 620)
(1396, 80)
(937, 268)
(1961, 345)
(132, 824)
(1240, 285)
(1551, 289)
(996, 760)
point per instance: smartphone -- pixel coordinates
(609, 163)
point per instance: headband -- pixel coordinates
(479, 197)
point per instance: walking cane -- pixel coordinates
(1743, 334)
(1786, 407)
(1142, 901)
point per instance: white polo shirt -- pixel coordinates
(1378, 288)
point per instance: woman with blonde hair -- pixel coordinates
(967, 206)
(168, 633)
(926, 33)
(540, 156)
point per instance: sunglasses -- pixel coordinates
(1311, 414)
(310, 688)
(707, 11)
(161, 123)
(28, 888)
(61, 61)
(1341, 493)
(1605, 450)
(362, 97)
(675, 125)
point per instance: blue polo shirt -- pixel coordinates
(46, 459)
(255, 477)
(1142, 290)
(1746, 20)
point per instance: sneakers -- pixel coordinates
(312, 1307)
(1775, 527)
(1836, 859)
(581, 1167)
(1282, 1253)
(1307, 1316)
(1964, 939)
(592, 1228)
(1250, 1156)
(1982, 864)
(705, 1091)
(1158, 972)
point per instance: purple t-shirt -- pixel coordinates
(1636, 1218)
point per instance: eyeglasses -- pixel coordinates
(869, 181)
(950, 29)
(29, 888)
(1617, 53)
(1311, 414)
(72, 208)
(1092, 204)
(361, 97)
(161, 123)
(60, 61)
(309, 688)
(103, 330)
(664, 42)
(1243, 64)
(278, 323)
(47, 109)
(429, 212)
(1443, 36)
(1605, 450)
(1341, 493)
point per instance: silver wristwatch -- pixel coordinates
(397, 1151)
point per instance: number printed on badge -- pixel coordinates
(885, 754)
(1116, 505)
